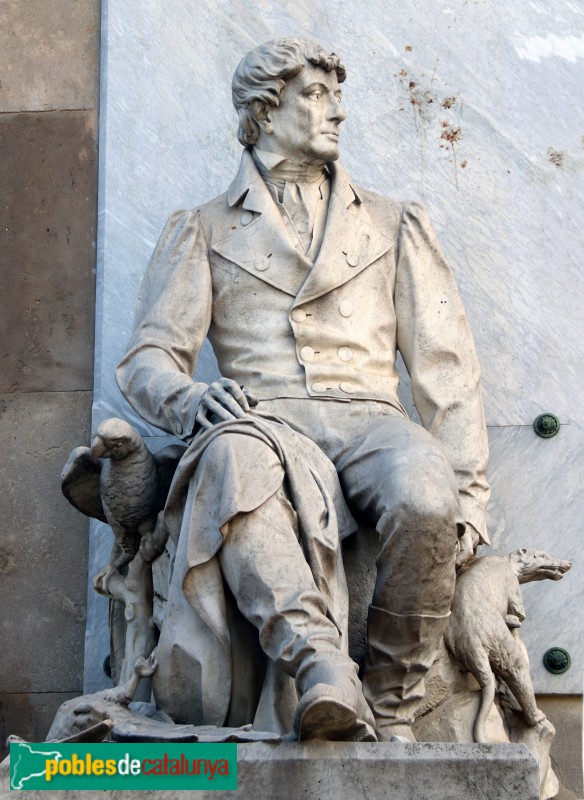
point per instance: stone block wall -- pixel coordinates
(48, 179)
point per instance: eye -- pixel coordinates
(316, 95)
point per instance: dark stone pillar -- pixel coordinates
(48, 201)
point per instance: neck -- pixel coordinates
(289, 171)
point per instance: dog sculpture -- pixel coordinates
(487, 610)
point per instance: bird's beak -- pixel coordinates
(98, 449)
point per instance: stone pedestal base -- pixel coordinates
(346, 771)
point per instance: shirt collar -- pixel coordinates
(268, 158)
(249, 183)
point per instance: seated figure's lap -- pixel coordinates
(390, 469)
(393, 465)
(385, 462)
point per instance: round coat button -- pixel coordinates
(318, 387)
(345, 353)
(345, 308)
(261, 263)
(298, 315)
(347, 387)
(352, 259)
(246, 217)
(307, 354)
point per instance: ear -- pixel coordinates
(262, 116)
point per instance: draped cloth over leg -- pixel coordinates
(197, 676)
(398, 477)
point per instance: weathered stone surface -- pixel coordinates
(97, 638)
(43, 553)
(494, 151)
(48, 176)
(359, 554)
(453, 721)
(50, 51)
(28, 715)
(50, 54)
(566, 753)
(335, 771)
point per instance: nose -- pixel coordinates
(335, 110)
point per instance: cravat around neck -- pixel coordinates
(297, 208)
(288, 171)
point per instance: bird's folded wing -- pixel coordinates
(80, 483)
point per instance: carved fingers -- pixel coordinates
(224, 400)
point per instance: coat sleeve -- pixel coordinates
(172, 319)
(435, 341)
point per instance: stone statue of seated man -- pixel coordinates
(307, 286)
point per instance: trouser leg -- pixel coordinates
(401, 649)
(400, 478)
(264, 566)
(412, 596)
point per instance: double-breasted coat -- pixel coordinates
(285, 327)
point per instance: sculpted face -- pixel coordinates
(305, 126)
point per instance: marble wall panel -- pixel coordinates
(470, 107)
(537, 495)
(43, 546)
(97, 639)
(49, 54)
(48, 182)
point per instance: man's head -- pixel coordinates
(287, 95)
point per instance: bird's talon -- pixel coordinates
(101, 581)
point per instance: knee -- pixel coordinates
(246, 452)
(436, 504)
(425, 515)
(423, 499)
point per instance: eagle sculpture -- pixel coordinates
(119, 481)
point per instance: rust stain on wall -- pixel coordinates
(555, 157)
(422, 96)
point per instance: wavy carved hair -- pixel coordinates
(261, 76)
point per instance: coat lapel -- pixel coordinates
(261, 247)
(350, 244)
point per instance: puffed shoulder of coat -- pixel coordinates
(172, 319)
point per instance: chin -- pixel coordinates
(326, 154)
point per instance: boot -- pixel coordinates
(332, 705)
(265, 568)
(401, 649)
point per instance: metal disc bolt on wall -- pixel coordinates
(546, 425)
(557, 660)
